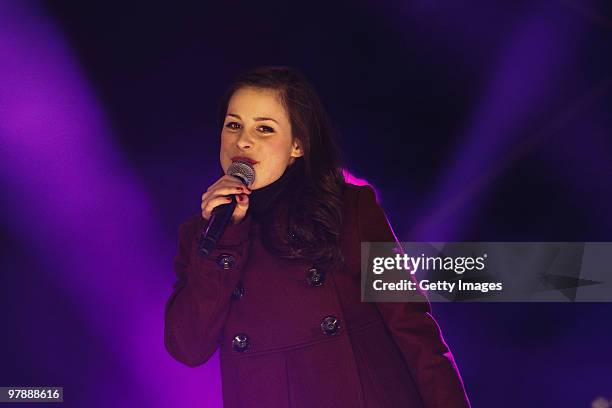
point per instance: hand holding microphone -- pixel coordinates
(222, 192)
(227, 200)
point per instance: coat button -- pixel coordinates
(330, 325)
(292, 237)
(226, 261)
(240, 342)
(238, 291)
(314, 277)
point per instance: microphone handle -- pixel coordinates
(219, 218)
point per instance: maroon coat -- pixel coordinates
(291, 336)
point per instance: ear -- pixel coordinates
(296, 149)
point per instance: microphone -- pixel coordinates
(221, 215)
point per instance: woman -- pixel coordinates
(280, 294)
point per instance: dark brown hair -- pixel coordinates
(315, 206)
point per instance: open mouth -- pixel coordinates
(244, 160)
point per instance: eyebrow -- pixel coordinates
(255, 119)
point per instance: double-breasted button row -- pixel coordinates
(226, 261)
(315, 277)
(330, 325)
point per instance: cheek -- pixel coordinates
(225, 139)
(223, 153)
(280, 147)
(279, 155)
(276, 165)
(228, 142)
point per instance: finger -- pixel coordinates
(223, 181)
(231, 189)
(222, 192)
(228, 183)
(241, 207)
(209, 205)
(242, 200)
(226, 188)
(233, 182)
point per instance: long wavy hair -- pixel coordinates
(314, 214)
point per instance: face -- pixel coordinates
(257, 127)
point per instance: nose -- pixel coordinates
(244, 140)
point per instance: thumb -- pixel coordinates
(242, 201)
(242, 205)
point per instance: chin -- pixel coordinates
(256, 185)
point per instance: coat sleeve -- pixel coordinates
(412, 326)
(197, 309)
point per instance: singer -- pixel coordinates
(279, 294)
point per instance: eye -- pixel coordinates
(233, 126)
(266, 129)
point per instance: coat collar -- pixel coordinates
(261, 200)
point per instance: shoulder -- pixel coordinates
(359, 202)
(353, 190)
(359, 196)
(365, 211)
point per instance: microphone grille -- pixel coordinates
(243, 171)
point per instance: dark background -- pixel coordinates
(475, 120)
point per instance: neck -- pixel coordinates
(262, 199)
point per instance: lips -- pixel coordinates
(244, 159)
